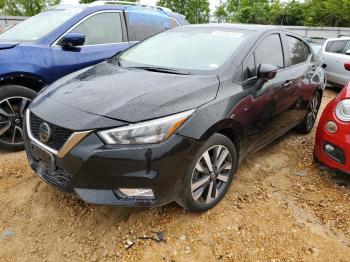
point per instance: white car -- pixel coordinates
(335, 52)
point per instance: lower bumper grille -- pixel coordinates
(58, 178)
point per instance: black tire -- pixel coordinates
(309, 121)
(186, 198)
(19, 98)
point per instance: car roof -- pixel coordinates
(252, 27)
(114, 5)
(261, 29)
(339, 38)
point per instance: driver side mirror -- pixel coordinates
(347, 52)
(267, 72)
(347, 66)
(72, 40)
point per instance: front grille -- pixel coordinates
(59, 135)
(57, 178)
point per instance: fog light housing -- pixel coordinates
(143, 193)
(331, 127)
(334, 152)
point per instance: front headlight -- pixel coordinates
(148, 132)
(342, 110)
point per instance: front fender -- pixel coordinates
(27, 60)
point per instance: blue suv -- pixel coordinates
(62, 40)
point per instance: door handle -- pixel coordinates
(288, 83)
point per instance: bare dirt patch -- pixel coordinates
(281, 207)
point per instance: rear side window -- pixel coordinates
(102, 28)
(297, 50)
(270, 51)
(142, 26)
(338, 47)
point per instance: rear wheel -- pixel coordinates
(309, 121)
(210, 175)
(14, 100)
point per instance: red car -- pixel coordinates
(332, 147)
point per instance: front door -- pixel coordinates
(104, 37)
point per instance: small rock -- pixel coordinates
(7, 233)
(129, 244)
(183, 237)
(301, 174)
(94, 258)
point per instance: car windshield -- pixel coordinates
(38, 26)
(202, 49)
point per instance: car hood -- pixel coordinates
(8, 45)
(127, 95)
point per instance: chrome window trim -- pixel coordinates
(99, 12)
(83, 20)
(172, 18)
(71, 142)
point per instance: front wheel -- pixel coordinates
(309, 121)
(14, 100)
(210, 175)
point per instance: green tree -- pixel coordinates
(196, 11)
(276, 12)
(90, 1)
(293, 13)
(220, 13)
(327, 12)
(253, 12)
(25, 7)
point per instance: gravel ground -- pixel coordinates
(281, 207)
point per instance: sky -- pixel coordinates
(213, 3)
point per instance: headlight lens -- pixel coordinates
(342, 110)
(149, 132)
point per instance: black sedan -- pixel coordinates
(170, 118)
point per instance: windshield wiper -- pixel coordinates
(161, 70)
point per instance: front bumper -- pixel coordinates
(94, 171)
(339, 158)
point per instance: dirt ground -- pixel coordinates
(281, 207)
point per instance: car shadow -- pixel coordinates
(336, 177)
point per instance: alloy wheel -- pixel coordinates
(11, 119)
(211, 174)
(312, 114)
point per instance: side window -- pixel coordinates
(270, 51)
(297, 50)
(142, 26)
(347, 47)
(102, 28)
(338, 47)
(172, 23)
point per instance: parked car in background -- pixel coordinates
(315, 43)
(62, 40)
(334, 53)
(170, 118)
(332, 146)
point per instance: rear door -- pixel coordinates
(334, 57)
(304, 76)
(105, 35)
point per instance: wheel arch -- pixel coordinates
(28, 80)
(229, 128)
